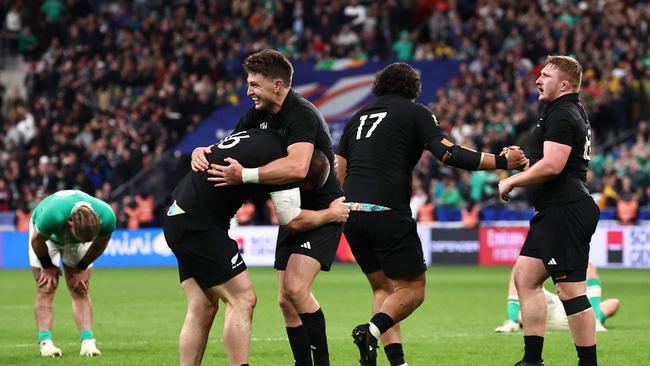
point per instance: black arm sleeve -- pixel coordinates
(454, 155)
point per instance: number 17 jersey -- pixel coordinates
(382, 143)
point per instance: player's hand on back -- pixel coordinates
(226, 175)
(340, 210)
(516, 157)
(199, 161)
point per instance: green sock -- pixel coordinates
(44, 334)
(86, 334)
(594, 293)
(513, 308)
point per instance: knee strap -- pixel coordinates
(576, 305)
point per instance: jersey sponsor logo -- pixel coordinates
(552, 262)
(306, 245)
(234, 261)
(264, 125)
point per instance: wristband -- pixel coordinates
(82, 265)
(46, 261)
(501, 161)
(250, 175)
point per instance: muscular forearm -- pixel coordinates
(539, 173)
(96, 249)
(308, 220)
(282, 171)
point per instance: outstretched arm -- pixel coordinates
(464, 158)
(293, 218)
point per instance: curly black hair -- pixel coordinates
(399, 79)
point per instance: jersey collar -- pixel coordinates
(566, 98)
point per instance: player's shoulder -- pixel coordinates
(566, 113)
(302, 108)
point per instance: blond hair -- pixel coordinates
(85, 223)
(569, 67)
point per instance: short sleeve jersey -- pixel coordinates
(51, 216)
(209, 205)
(382, 143)
(300, 121)
(564, 121)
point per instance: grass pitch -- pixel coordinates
(139, 311)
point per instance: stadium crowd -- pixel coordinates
(112, 85)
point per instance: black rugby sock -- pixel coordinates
(315, 325)
(533, 348)
(395, 354)
(299, 341)
(587, 356)
(382, 321)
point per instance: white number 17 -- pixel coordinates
(379, 116)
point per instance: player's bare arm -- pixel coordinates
(94, 251)
(309, 219)
(288, 169)
(341, 166)
(552, 164)
(293, 218)
(50, 273)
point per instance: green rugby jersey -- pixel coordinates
(51, 215)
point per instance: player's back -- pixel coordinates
(51, 215)
(382, 145)
(210, 205)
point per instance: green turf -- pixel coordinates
(138, 313)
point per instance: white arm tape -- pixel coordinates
(287, 204)
(250, 175)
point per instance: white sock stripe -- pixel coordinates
(593, 291)
(374, 330)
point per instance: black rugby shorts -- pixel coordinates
(205, 253)
(385, 240)
(560, 237)
(320, 244)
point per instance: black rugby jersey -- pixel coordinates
(382, 143)
(564, 121)
(210, 205)
(300, 121)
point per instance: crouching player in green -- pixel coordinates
(75, 227)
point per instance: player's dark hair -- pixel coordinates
(319, 170)
(270, 64)
(86, 224)
(399, 79)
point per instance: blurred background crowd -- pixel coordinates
(111, 86)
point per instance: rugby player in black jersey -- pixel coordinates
(557, 244)
(378, 150)
(299, 256)
(209, 263)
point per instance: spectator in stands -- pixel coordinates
(5, 196)
(119, 66)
